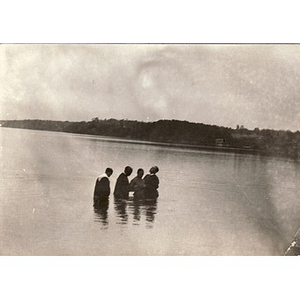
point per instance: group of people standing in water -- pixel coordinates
(142, 188)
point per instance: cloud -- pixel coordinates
(254, 85)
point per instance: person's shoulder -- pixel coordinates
(102, 181)
(122, 177)
(147, 177)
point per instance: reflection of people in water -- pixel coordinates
(120, 208)
(146, 207)
(102, 187)
(137, 185)
(150, 209)
(151, 184)
(136, 208)
(101, 211)
(122, 184)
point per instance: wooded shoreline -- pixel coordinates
(180, 134)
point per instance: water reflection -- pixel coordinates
(136, 209)
(139, 207)
(120, 208)
(101, 212)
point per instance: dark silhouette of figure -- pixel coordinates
(137, 185)
(122, 184)
(151, 184)
(102, 187)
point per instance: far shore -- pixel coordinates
(113, 139)
(177, 133)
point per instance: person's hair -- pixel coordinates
(109, 170)
(140, 170)
(128, 170)
(154, 170)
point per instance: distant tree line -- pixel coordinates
(268, 142)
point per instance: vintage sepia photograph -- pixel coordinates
(149, 149)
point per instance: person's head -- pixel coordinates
(140, 173)
(154, 170)
(128, 171)
(108, 171)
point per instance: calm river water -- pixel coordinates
(210, 203)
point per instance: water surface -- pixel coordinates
(210, 203)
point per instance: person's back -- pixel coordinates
(102, 186)
(151, 184)
(122, 185)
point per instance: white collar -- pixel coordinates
(103, 175)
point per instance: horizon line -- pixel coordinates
(147, 121)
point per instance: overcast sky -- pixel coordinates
(226, 85)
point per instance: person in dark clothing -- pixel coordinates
(151, 184)
(137, 185)
(122, 184)
(102, 187)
